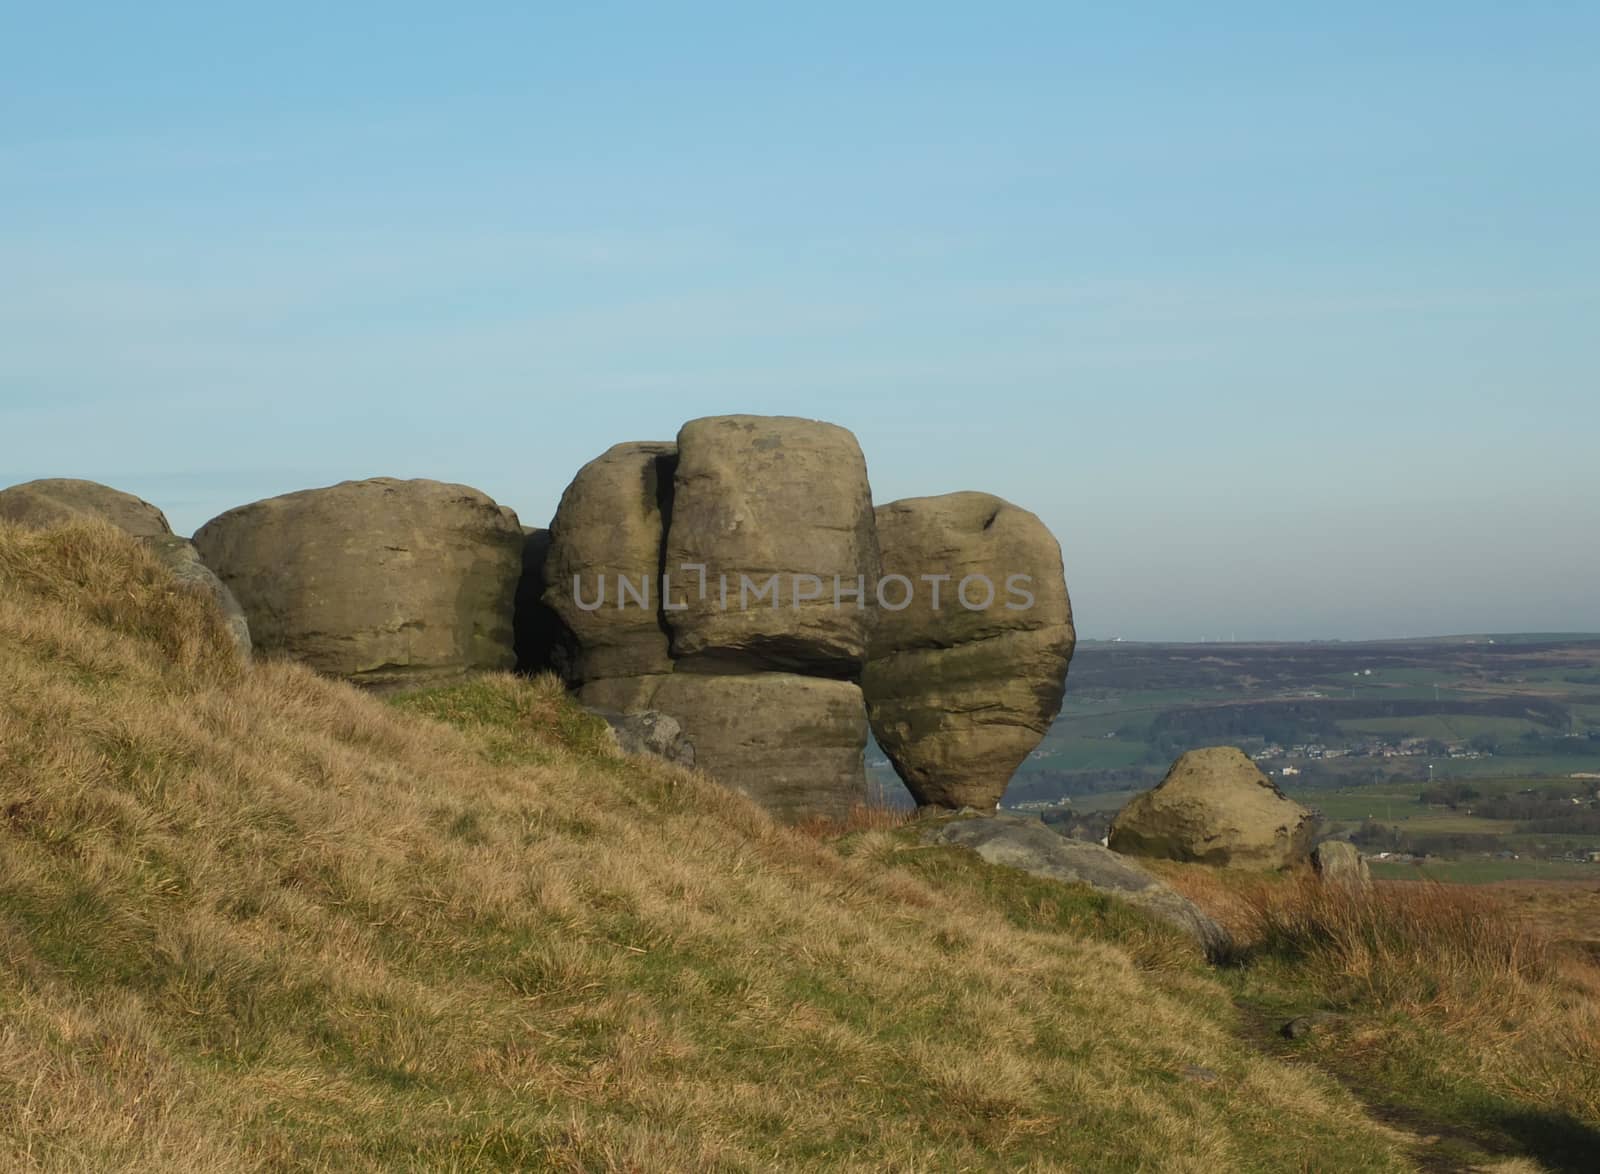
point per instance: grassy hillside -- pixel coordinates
(1446, 1004)
(257, 920)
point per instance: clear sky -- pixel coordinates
(1285, 318)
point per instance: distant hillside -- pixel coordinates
(1339, 713)
(258, 920)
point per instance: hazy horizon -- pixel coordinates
(1282, 320)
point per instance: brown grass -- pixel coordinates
(258, 920)
(1448, 987)
(862, 817)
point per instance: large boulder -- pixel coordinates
(1215, 807)
(383, 582)
(602, 572)
(781, 508)
(180, 557)
(60, 499)
(1028, 845)
(794, 744)
(964, 679)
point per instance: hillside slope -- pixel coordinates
(258, 920)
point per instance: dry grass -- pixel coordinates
(863, 817)
(1453, 999)
(258, 920)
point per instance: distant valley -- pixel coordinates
(1479, 755)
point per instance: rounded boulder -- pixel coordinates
(55, 500)
(1215, 807)
(382, 582)
(964, 680)
(602, 569)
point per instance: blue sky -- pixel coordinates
(1284, 321)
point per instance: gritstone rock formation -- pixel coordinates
(603, 572)
(792, 743)
(761, 684)
(959, 693)
(383, 582)
(781, 504)
(1215, 807)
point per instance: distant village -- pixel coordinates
(1370, 748)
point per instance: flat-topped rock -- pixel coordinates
(1026, 844)
(777, 503)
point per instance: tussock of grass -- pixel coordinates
(259, 920)
(862, 817)
(1411, 944)
(1451, 1003)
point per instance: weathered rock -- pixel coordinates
(55, 500)
(621, 694)
(652, 733)
(1339, 862)
(794, 744)
(1092, 826)
(1297, 1028)
(538, 629)
(779, 502)
(610, 526)
(180, 557)
(1303, 1025)
(1215, 807)
(383, 582)
(960, 693)
(1028, 845)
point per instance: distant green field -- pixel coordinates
(1483, 872)
(1103, 801)
(1508, 765)
(1089, 753)
(1445, 727)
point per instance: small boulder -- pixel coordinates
(1215, 807)
(959, 692)
(652, 733)
(1297, 1028)
(1339, 862)
(383, 582)
(1028, 845)
(60, 499)
(781, 507)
